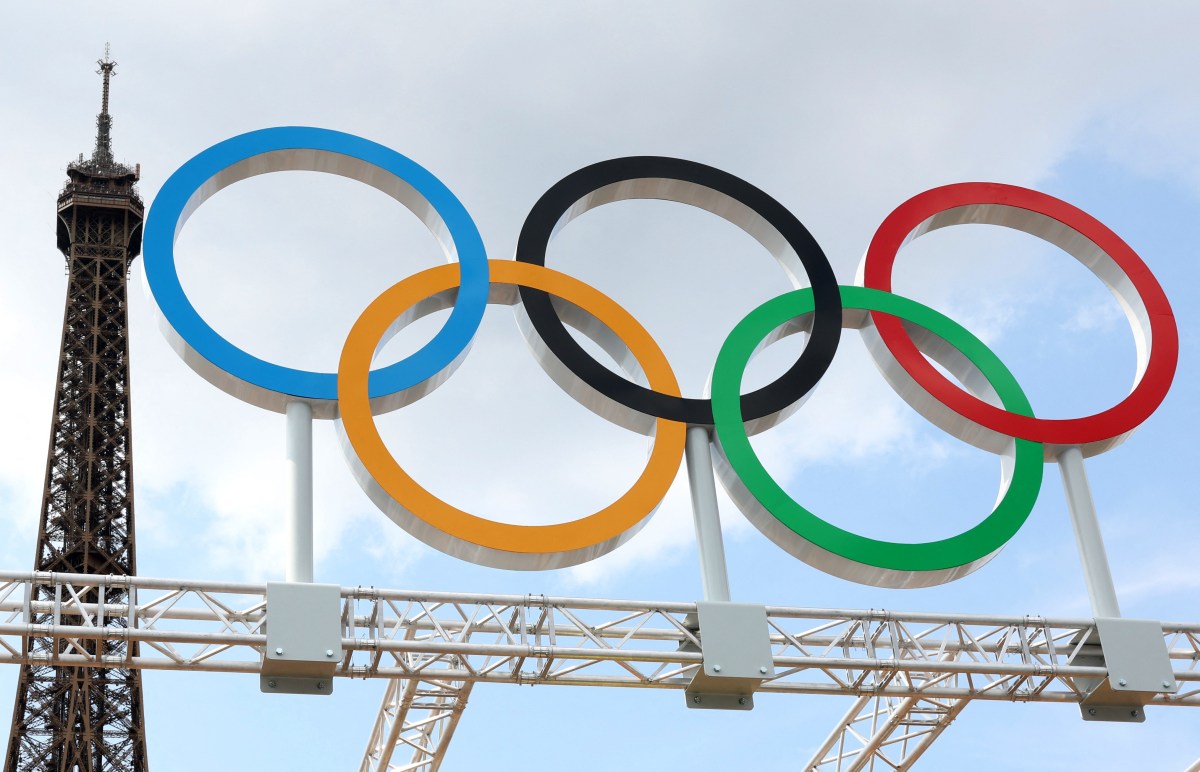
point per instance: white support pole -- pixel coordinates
(299, 492)
(1087, 534)
(705, 514)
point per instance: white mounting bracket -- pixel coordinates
(1138, 664)
(304, 638)
(737, 656)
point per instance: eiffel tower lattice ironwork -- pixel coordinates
(88, 719)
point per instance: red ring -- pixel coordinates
(1119, 420)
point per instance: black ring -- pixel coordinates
(555, 207)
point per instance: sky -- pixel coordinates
(841, 112)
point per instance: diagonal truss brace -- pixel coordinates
(416, 720)
(884, 733)
(417, 717)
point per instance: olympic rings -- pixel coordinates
(1076, 233)
(728, 197)
(821, 544)
(903, 336)
(272, 386)
(448, 528)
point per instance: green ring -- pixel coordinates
(822, 544)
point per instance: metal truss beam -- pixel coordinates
(534, 639)
(416, 720)
(886, 733)
(418, 716)
(911, 673)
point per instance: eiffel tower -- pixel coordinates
(88, 719)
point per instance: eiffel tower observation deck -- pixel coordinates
(88, 719)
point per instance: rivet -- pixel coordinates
(320, 684)
(1122, 682)
(271, 684)
(329, 652)
(741, 700)
(1168, 684)
(279, 650)
(1091, 711)
(716, 668)
(696, 699)
(763, 670)
(1133, 713)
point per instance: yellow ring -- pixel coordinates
(459, 533)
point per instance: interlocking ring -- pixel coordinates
(901, 334)
(822, 544)
(1076, 233)
(468, 536)
(266, 384)
(742, 204)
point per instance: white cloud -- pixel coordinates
(1095, 317)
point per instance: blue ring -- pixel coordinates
(187, 188)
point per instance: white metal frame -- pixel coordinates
(419, 717)
(911, 672)
(892, 732)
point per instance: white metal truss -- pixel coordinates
(419, 717)
(911, 672)
(885, 733)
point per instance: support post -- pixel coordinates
(1096, 573)
(299, 492)
(704, 512)
(1132, 650)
